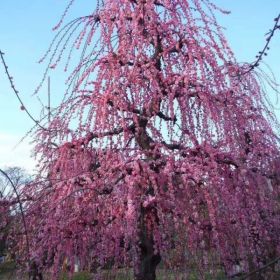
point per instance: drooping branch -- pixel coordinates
(10, 78)
(263, 52)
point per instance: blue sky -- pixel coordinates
(26, 33)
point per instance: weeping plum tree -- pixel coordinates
(162, 150)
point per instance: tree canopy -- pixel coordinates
(163, 148)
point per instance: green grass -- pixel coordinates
(8, 270)
(127, 274)
(83, 275)
(7, 267)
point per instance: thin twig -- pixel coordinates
(266, 47)
(10, 78)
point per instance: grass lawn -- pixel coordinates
(8, 272)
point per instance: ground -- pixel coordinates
(8, 272)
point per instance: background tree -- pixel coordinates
(163, 144)
(12, 180)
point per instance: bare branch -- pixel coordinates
(10, 78)
(263, 52)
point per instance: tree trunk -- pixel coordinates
(252, 267)
(148, 260)
(34, 273)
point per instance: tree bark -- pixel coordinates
(34, 273)
(148, 260)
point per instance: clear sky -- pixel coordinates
(26, 33)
